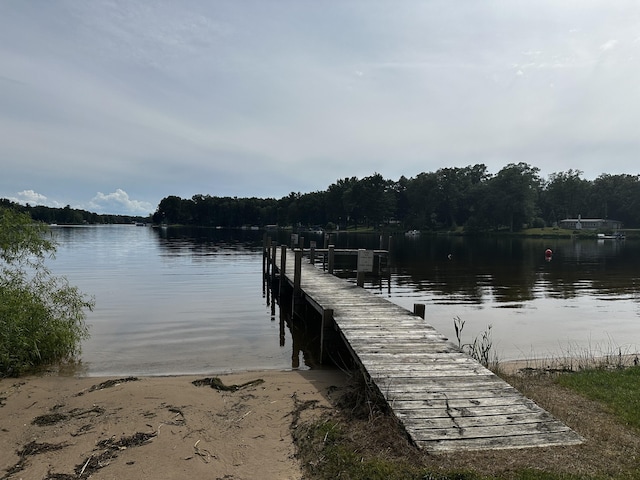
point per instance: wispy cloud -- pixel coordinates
(33, 198)
(608, 45)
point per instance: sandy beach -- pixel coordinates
(56, 427)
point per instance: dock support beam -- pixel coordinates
(419, 309)
(312, 253)
(283, 270)
(273, 262)
(297, 273)
(266, 247)
(331, 254)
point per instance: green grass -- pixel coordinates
(328, 452)
(619, 390)
(547, 232)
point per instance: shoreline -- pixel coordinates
(568, 363)
(176, 426)
(233, 425)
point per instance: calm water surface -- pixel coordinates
(175, 301)
(171, 302)
(585, 300)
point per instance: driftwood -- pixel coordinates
(216, 383)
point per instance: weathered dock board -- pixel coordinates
(445, 400)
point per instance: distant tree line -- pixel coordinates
(68, 215)
(514, 198)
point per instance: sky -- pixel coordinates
(112, 105)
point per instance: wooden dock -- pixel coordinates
(445, 400)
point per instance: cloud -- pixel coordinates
(608, 45)
(29, 196)
(115, 203)
(118, 203)
(32, 197)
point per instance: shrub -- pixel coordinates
(42, 317)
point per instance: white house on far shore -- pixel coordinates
(589, 224)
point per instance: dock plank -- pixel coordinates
(445, 400)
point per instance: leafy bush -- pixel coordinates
(42, 317)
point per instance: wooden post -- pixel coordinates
(327, 324)
(388, 263)
(419, 309)
(331, 258)
(301, 243)
(266, 243)
(297, 272)
(273, 262)
(312, 252)
(283, 265)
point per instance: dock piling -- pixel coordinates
(297, 273)
(283, 269)
(331, 258)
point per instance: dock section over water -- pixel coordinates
(445, 400)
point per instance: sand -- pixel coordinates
(54, 427)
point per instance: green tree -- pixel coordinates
(339, 201)
(512, 195)
(565, 196)
(421, 194)
(174, 210)
(617, 197)
(453, 193)
(42, 317)
(377, 200)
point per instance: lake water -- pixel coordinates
(584, 300)
(171, 301)
(191, 301)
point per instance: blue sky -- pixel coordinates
(111, 105)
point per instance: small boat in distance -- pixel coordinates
(613, 236)
(412, 233)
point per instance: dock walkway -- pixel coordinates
(445, 400)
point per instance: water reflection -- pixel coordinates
(515, 271)
(587, 294)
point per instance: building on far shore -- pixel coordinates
(589, 224)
